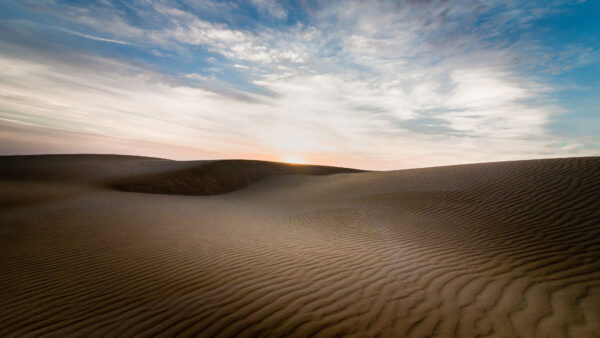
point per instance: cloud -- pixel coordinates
(270, 7)
(69, 31)
(371, 85)
(24, 139)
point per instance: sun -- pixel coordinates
(294, 160)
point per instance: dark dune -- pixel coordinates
(218, 177)
(38, 178)
(495, 249)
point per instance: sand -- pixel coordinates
(133, 246)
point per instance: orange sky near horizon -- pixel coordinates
(23, 139)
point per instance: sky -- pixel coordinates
(367, 84)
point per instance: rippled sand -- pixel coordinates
(123, 246)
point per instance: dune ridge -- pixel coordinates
(34, 179)
(218, 177)
(494, 249)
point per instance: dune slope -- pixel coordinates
(217, 177)
(501, 249)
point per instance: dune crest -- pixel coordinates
(495, 249)
(218, 177)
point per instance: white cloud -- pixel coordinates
(364, 85)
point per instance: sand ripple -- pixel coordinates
(500, 249)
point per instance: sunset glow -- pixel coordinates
(369, 84)
(294, 160)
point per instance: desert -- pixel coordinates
(107, 245)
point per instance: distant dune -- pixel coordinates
(217, 177)
(109, 245)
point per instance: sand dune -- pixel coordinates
(115, 245)
(217, 177)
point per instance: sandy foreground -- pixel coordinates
(108, 245)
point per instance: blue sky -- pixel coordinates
(369, 84)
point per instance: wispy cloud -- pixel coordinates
(270, 7)
(61, 29)
(91, 37)
(373, 85)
